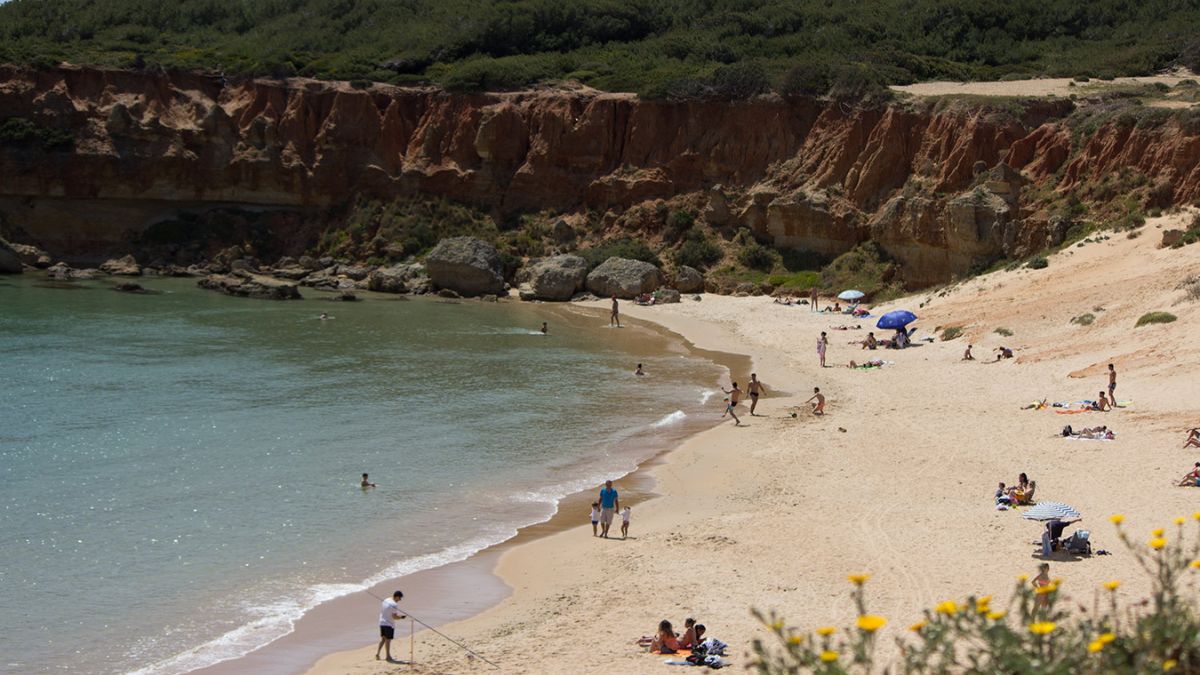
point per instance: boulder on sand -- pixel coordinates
(624, 278)
(10, 260)
(558, 277)
(251, 286)
(688, 280)
(127, 266)
(467, 266)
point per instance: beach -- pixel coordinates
(896, 481)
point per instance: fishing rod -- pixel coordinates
(449, 639)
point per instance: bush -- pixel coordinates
(634, 249)
(698, 251)
(23, 131)
(757, 257)
(1084, 319)
(1190, 287)
(1003, 332)
(1035, 631)
(1155, 317)
(806, 79)
(951, 333)
(680, 222)
(1038, 263)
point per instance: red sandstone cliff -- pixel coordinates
(815, 175)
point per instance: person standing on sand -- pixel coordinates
(1112, 384)
(755, 388)
(1042, 580)
(625, 516)
(730, 403)
(615, 317)
(595, 517)
(817, 401)
(813, 297)
(822, 343)
(389, 612)
(366, 483)
(610, 503)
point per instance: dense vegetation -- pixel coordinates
(719, 48)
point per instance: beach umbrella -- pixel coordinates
(851, 295)
(897, 319)
(1050, 511)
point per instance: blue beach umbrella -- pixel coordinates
(851, 295)
(1051, 511)
(897, 319)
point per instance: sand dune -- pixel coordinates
(775, 514)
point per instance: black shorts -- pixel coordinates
(387, 632)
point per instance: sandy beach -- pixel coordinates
(895, 481)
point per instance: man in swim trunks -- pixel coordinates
(817, 401)
(755, 388)
(735, 395)
(388, 614)
(615, 317)
(610, 503)
(1112, 384)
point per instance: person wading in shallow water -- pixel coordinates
(615, 317)
(755, 388)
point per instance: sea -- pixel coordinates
(179, 471)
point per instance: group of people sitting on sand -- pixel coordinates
(1001, 353)
(1100, 433)
(1016, 495)
(703, 650)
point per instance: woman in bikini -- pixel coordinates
(1042, 580)
(665, 641)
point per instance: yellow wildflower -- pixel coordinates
(996, 615)
(1042, 627)
(981, 604)
(826, 630)
(1105, 638)
(1117, 518)
(1022, 578)
(795, 639)
(1156, 532)
(1196, 515)
(776, 625)
(871, 622)
(1196, 563)
(1048, 588)
(1157, 543)
(948, 607)
(1112, 585)
(1180, 520)
(828, 656)
(918, 625)
(858, 579)
(1095, 646)
(1170, 664)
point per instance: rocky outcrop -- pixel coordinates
(10, 260)
(126, 266)
(688, 280)
(467, 266)
(31, 255)
(251, 286)
(397, 279)
(817, 175)
(557, 278)
(623, 278)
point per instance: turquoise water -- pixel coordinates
(180, 470)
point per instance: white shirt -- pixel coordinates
(625, 515)
(595, 513)
(386, 610)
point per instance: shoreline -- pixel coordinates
(334, 626)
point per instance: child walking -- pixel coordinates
(625, 514)
(595, 517)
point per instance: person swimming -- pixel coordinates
(544, 329)
(366, 482)
(639, 370)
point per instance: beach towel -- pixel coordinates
(681, 654)
(1088, 438)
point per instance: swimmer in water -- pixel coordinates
(639, 370)
(366, 483)
(544, 329)
(323, 317)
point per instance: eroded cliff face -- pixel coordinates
(807, 174)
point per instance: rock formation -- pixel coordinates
(10, 260)
(558, 277)
(465, 265)
(623, 278)
(251, 286)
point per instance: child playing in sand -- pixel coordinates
(626, 513)
(817, 401)
(595, 517)
(967, 356)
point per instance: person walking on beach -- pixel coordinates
(755, 388)
(813, 297)
(625, 516)
(730, 403)
(1112, 384)
(610, 503)
(822, 343)
(615, 317)
(389, 612)
(595, 518)
(366, 483)
(817, 401)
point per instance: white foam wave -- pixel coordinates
(673, 418)
(278, 618)
(706, 395)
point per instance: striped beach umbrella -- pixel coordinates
(1051, 511)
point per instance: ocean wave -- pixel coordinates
(706, 395)
(668, 420)
(278, 618)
